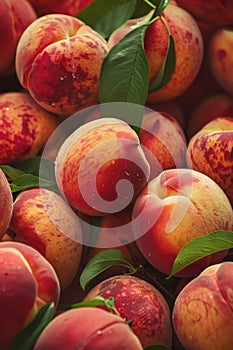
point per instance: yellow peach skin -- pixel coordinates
(203, 311)
(27, 282)
(176, 207)
(58, 60)
(25, 127)
(210, 151)
(43, 220)
(6, 204)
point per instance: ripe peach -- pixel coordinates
(101, 168)
(203, 311)
(87, 328)
(220, 58)
(211, 107)
(163, 142)
(25, 127)
(68, 7)
(142, 304)
(210, 151)
(58, 60)
(176, 207)
(27, 282)
(43, 220)
(216, 12)
(15, 16)
(6, 204)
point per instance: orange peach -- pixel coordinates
(43, 220)
(6, 204)
(176, 207)
(210, 151)
(203, 311)
(142, 304)
(27, 282)
(58, 60)
(88, 328)
(101, 168)
(68, 7)
(163, 142)
(25, 127)
(220, 58)
(216, 12)
(15, 16)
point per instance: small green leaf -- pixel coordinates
(94, 302)
(37, 166)
(201, 247)
(28, 336)
(27, 181)
(101, 262)
(167, 68)
(157, 347)
(10, 172)
(105, 16)
(125, 71)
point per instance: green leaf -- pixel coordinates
(10, 172)
(94, 302)
(28, 336)
(37, 166)
(167, 68)
(141, 9)
(101, 262)
(27, 181)
(160, 7)
(105, 16)
(157, 347)
(201, 247)
(125, 71)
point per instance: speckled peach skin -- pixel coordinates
(27, 282)
(6, 204)
(88, 328)
(43, 220)
(15, 16)
(210, 151)
(25, 127)
(140, 302)
(203, 311)
(176, 207)
(217, 12)
(220, 58)
(68, 7)
(58, 60)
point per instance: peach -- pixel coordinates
(176, 207)
(25, 127)
(210, 151)
(68, 7)
(43, 220)
(6, 204)
(142, 304)
(101, 168)
(163, 142)
(27, 282)
(87, 328)
(211, 107)
(220, 58)
(203, 311)
(216, 12)
(15, 17)
(58, 60)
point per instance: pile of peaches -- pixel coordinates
(116, 158)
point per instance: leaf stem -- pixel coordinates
(150, 4)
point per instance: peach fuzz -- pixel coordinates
(176, 207)
(216, 12)
(15, 17)
(43, 220)
(220, 58)
(141, 303)
(163, 142)
(211, 107)
(68, 7)
(25, 127)
(203, 311)
(87, 328)
(27, 282)
(210, 152)
(58, 60)
(6, 204)
(101, 168)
